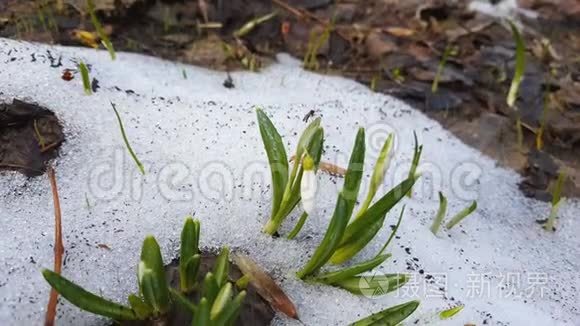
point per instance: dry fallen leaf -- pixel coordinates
(265, 285)
(87, 38)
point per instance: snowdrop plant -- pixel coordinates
(345, 238)
(286, 183)
(156, 299)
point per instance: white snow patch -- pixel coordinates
(202, 153)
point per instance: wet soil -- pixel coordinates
(393, 46)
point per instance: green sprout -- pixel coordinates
(85, 76)
(446, 314)
(461, 215)
(415, 163)
(100, 31)
(315, 42)
(285, 183)
(343, 240)
(450, 50)
(389, 317)
(155, 300)
(556, 202)
(129, 148)
(252, 24)
(440, 213)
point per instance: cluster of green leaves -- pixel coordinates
(100, 31)
(455, 219)
(217, 306)
(286, 182)
(345, 238)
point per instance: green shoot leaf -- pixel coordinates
(85, 76)
(210, 287)
(221, 301)
(389, 317)
(343, 210)
(277, 159)
(124, 135)
(362, 230)
(373, 285)
(440, 214)
(100, 31)
(181, 300)
(461, 215)
(141, 309)
(449, 51)
(393, 233)
(298, 226)
(222, 267)
(152, 281)
(336, 276)
(415, 163)
(381, 167)
(252, 24)
(201, 318)
(446, 314)
(189, 248)
(229, 314)
(520, 65)
(86, 300)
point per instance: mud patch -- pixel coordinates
(30, 136)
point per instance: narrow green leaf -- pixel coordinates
(276, 157)
(183, 301)
(342, 274)
(100, 31)
(556, 201)
(133, 155)
(520, 65)
(381, 167)
(85, 76)
(222, 300)
(440, 214)
(210, 287)
(389, 317)
(201, 318)
(141, 309)
(461, 215)
(86, 300)
(152, 279)
(249, 26)
(189, 274)
(230, 313)
(354, 171)
(393, 233)
(373, 285)
(415, 163)
(298, 226)
(362, 230)
(446, 314)
(189, 248)
(222, 267)
(446, 53)
(331, 238)
(243, 281)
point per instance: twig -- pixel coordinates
(58, 248)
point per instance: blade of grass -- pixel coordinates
(222, 267)
(124, 135)
(339, 275)
(222, 300)
(520, 66)
(86, 300)
(381, 167)
(100, 31)
(181, 300)
(152, 281)
(201, 318)
(446, 53)
(252, 24)
(41, 140)
(556, 202)
(229, 314)
(415, 163)
(461, 215)
(440, 214)
(389, 317)
(375, 285)
(58, 248)
(189, 248)
(85, 76)
(141, 309)
(393, 233)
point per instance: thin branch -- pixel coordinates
(58, 248)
